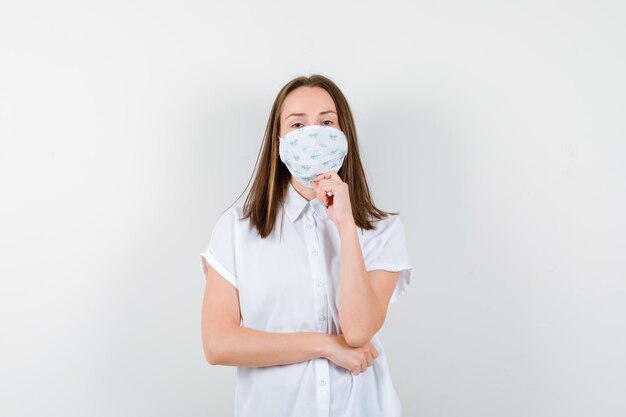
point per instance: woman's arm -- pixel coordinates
(225, 342)
(363, 296)
(243, 346)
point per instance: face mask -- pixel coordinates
(312, 150)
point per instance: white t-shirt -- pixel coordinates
(291, 284)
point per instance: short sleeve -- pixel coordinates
(220, 253)
(390, 253)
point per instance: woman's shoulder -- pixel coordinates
(383, 226)
(382, 231)
(230, 218)
(236, 212)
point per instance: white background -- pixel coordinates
(497, 129)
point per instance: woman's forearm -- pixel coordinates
(360, 315)
(243, 346)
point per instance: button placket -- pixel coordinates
(320, 293)
(320, 305)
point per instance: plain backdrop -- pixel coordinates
(497, 130)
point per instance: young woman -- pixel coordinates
(297, 306)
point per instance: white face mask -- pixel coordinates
(312, 150)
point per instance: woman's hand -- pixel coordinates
(338, 204)
(355, 360)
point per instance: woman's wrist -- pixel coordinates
(326, 344)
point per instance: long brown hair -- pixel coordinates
(271, 180)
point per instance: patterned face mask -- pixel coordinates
(312, 150)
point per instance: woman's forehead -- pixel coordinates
(308, 101)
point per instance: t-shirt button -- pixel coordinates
(320, 283)
(314, 253)
(322, 382)
(323, 317)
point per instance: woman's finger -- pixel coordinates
(319, 193)
(331, 175)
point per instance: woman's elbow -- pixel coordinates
(358, 336)
(212, 350)
(355, 340)
(211, 357)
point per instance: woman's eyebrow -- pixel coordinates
(304, 114)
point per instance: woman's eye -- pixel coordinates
(327, 121)
(294, 125)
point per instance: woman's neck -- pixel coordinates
(305, 192)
